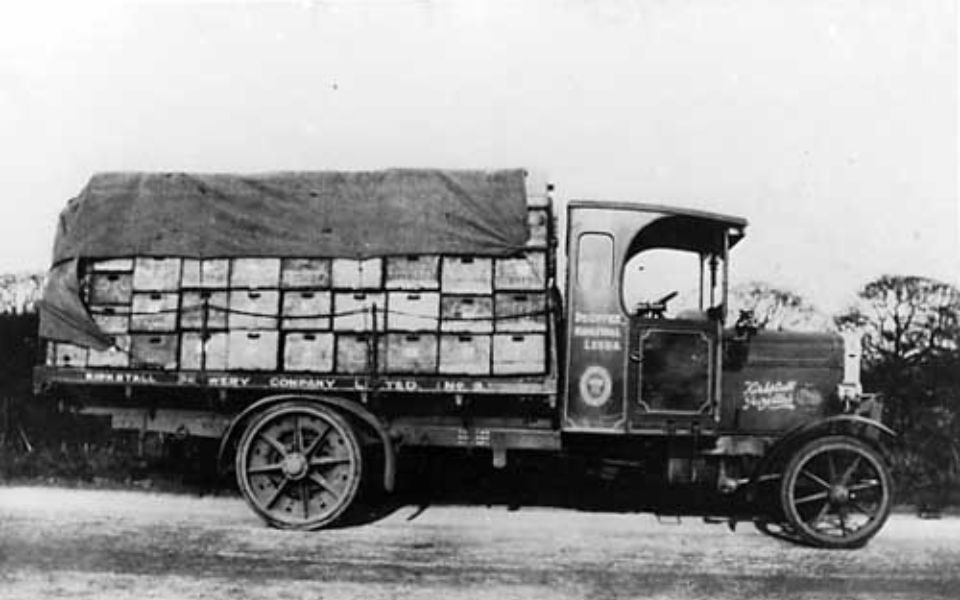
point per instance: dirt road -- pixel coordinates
(58, 543)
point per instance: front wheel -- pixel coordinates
(299, 465)
(836, 492)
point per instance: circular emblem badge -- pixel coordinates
(595, 386)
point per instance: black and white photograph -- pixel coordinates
(479, 299)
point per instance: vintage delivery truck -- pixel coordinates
(323, 324)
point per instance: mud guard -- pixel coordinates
(389, 453)
(873, 432)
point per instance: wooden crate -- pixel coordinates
(349, 274)
(206, 273)
(252, 350)
(117, 356)
(538, 224)
(69, 355)
(464, 354)
(254, 309)
(111, 319)
(190, 273)
(154, 350)
(110, 288)
(466, 275)
(414, 272)
(354, 311)
(156, 274)
(526, 272)
(251, 273)
(353, 352)
(519, 354)
(306, 309)
(192, 309)
(308, 351)
(154, 311)
(469, 314)
(110, 265)
(411, 353)
(517, 311)
(413, 311)
(305, 273)
(203, 351)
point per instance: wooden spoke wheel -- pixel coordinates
(299, 466)
(836, 492)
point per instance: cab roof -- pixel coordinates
(681, 228)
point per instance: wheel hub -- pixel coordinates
(294, 465)
(839, 494)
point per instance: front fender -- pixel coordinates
(237, 424)
(870, 431)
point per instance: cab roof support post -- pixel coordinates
(726, 273)
(700, 292)
(713, 279)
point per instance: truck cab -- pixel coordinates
(643, 356)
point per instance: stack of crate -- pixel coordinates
(412, 286)
(428, 314)
(466, 315)
(253, 316)
(520, 301)
(305, 308)
(359, 314)
(204, 304)
(154, 311)
(108, 287)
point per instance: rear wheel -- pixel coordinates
(836, 492)
(299, 465)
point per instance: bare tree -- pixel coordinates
(905, 319)
(776, 308)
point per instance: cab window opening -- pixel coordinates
(676, 268)
(684, 283)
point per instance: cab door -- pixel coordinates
(632, 364)
(673, 372)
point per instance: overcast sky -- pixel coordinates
(830, 124)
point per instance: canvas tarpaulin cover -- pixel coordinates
(302, 214)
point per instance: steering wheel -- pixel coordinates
(655, 310)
